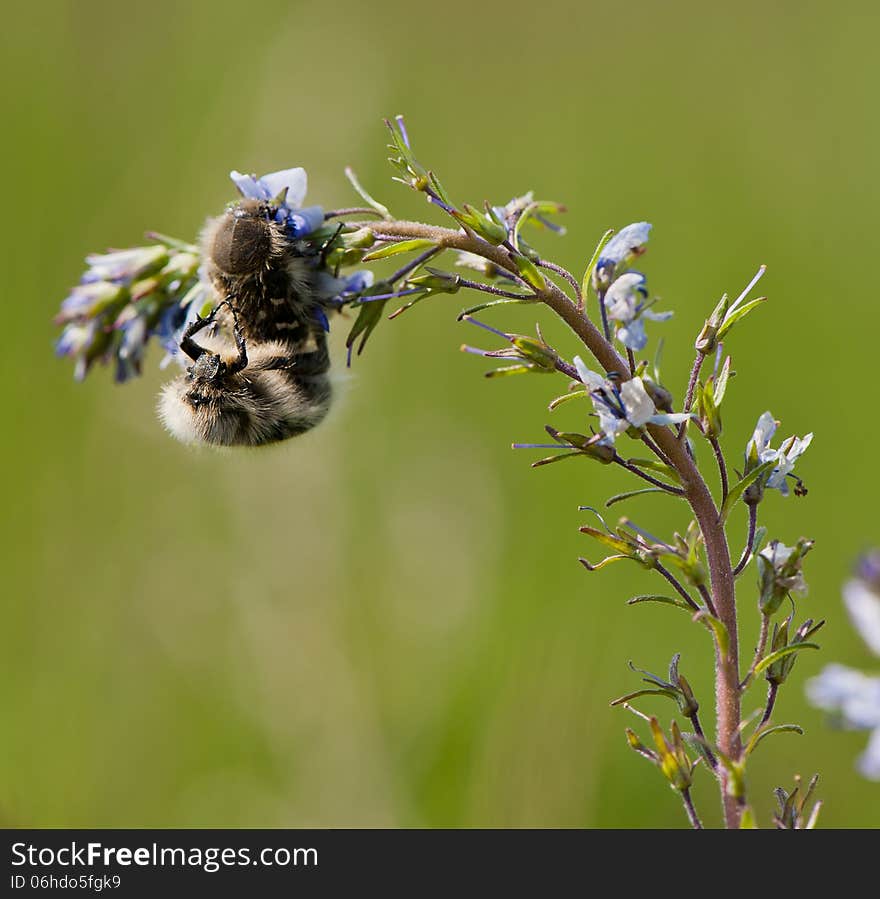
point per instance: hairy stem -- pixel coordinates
(759, 650)
(677, 586)
(750, 540)
(692, 386)
(772, 690)
(722, 466)
(691, 811)
(698, 730)
(676, 491)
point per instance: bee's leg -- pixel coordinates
(328, 244)
(241, 362)
(187, 344)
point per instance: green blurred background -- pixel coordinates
(384, 622)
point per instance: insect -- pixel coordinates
(256, 394)
(255, 370)
(250, 255)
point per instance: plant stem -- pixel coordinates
(722, 466)
(677, 491)
(698, 730)
(692, 386)
(567, 275)
(674, 452)
(691, 811)
(772, 690)
(750, 540)
(759, 650)
(677, 586)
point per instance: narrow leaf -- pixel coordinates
(656, 597)
(588, 274)
(762, 732)
(740, 313)
(738, 489)
(767, 661)
(655, 465)
(620, 497)
(637, 693)
(403, 246)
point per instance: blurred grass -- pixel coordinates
(384, 622)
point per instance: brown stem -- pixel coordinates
(759, 651)
(691, 811)
(727, 692)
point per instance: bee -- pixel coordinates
(255, 370)
(249, 255)
(259, 393)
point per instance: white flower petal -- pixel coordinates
(249, 186)
(590, 379)
(633, 335)
(295, 180)
(670, 418)
(854, 695)
(624, 242)
(869, 761)
(863, 605)
(638, 405)
(764, 431)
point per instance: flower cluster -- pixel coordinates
(759, 452)
(622, 293)
(851, 695)
(285, 191)
(620, 407)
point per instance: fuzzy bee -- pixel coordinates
(256, 368)
(252, 396)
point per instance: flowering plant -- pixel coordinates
(630, 418)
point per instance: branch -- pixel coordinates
(750, 540)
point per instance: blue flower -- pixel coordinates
(285, 190)
(621, 407)
(758, 451)
(626, 303)
(853, 696)
(125, 266)
(628, 243)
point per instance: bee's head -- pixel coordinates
(208, 368)
(242, 241)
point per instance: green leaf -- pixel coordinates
(767, 661)
(530, 272)
(520, 369)
(738, 489)
(620, 497)
(718, 628)
(403, 246)
(549, 460)
(481, 306)
(606, 561)
(740, 313)
(588, 274)
(637, 693)
(608, 540)
(747, 821)
(721, 382)
(655, 465)
(373, 204)
(574, 395)
(657, 597)
(709, 410)
(762, 732)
